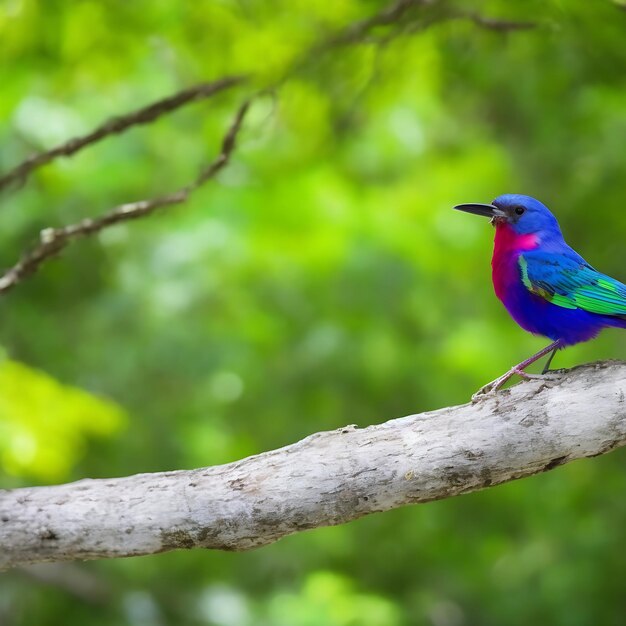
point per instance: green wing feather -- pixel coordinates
(572, 284)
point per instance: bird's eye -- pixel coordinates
(519, 210)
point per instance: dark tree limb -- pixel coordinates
(53, 240)
(406, 17)
(391, 15)
(396, 14)
(400, 17)
(117, 125)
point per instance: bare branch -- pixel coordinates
(117, 125)
(406, 17)
(53, 240)
(402, 16)
(390, 15)
(201, 91)
(396, 14)
(326, 479)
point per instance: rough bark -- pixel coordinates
(328, 478)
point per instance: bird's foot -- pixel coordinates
(546, 377)
(552, 374)
(526, 376)
(494, 385)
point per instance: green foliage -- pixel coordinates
(322, 280)
(326, 598)
(44, 424)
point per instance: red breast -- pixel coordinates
(508, 245)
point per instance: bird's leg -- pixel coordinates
(518, 370)
(546, 367)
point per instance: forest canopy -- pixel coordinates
(320, 277)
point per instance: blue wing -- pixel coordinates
(571, 283)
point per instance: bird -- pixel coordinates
(544, 284)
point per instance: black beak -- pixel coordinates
(486, 210)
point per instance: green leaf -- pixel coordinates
(45, 425)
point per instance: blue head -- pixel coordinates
(523, 214)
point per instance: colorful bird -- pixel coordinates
(546, 286)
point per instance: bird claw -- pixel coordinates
(543, 377)
(492, 387)
(487, 390)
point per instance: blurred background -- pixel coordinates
(321, 280)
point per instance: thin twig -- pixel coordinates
(117, 125)
(53, 240)
(395, 15)
(388, 16)
(400, 17)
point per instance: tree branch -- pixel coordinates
(53, 240)
(406, 17)
(390, 15)
(326, 479)
(395, 15)
(118, 125)
(149, 113)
